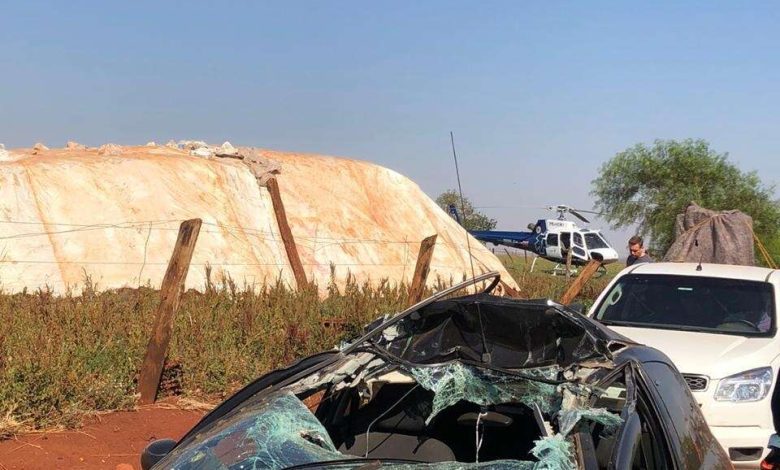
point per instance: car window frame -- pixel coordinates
(639, 394)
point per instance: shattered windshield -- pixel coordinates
(454, 382)
(465, 383)
(274, 434)
(282, 432)
(391, 465)
(713, 305)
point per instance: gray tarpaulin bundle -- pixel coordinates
(724, 237)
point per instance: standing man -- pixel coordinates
(638, 252)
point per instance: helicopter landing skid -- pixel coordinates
(602, 270)
(561, 269)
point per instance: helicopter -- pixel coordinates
(552, 239)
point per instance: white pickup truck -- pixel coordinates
(718, 324)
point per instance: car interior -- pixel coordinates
(392, 425)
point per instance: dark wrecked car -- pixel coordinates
(477, 381)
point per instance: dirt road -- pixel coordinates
(102, 443)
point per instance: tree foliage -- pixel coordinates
(471, 218)
(650, 185)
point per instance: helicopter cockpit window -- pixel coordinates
(552, 239)
(595, 241)
(578, 239)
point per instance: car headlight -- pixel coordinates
(752, 385)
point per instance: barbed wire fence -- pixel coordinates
(181, 260)
(146, 230)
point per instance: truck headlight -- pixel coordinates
(752, 385)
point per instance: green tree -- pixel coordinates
(471, 218)
(650, 185)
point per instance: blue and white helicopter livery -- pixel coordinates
(553, 239)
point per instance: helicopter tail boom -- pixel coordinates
(522, 240)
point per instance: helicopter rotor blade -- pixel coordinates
(578, 215)
(589, 212)
(510, 207)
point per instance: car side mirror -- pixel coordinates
(155, 451)
(577, 307)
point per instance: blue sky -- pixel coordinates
(539, 94)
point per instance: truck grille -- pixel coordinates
(696, 382)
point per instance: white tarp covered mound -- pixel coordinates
(113, 214)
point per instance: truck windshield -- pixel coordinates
(712, 305)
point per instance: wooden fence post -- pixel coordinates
(421, 269)
(170, 298)
(286, 233)
(509, 255)
(575, 287)
(510, 291)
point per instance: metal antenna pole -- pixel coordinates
(462, 203)
(486, 356)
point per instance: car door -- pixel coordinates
(641, 442)
(681, 417)
(644, 441)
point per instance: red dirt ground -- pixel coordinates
(104, 441)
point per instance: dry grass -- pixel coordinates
(541, 283)
(10, 424)
(63, 357)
